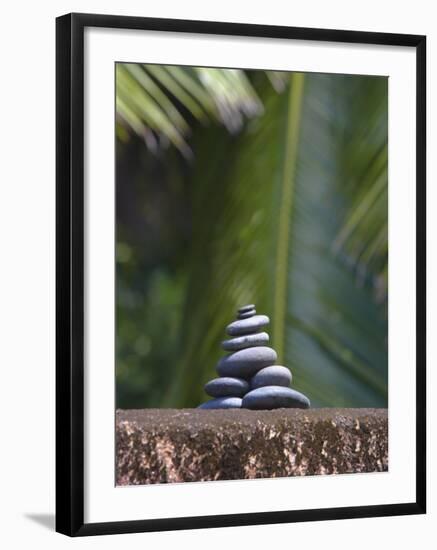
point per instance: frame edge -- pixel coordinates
(69, 276)
(421, 274)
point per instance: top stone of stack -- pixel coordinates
(246, 311)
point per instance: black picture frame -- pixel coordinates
(70, 272)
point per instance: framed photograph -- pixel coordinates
(240, 274)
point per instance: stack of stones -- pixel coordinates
(248, 376)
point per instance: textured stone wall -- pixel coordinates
(168, 445)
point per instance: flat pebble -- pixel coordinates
(227, 386)
(275, 397)
(243, 309)
(246, 362)
(247, 326)
(275, 375)
(247, 314)
(248, 341)
(222, 403)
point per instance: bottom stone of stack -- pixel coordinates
(274, 397)
(222, 403)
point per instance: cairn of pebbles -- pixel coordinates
(249, 377)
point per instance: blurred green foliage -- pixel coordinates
(250, 186)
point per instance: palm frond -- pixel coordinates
(166, 100)
(363, 238)
(327, 327)
(336, 342)
(286, 208)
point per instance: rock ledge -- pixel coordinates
(176, 445)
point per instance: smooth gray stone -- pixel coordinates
(247, 326)
(275, 375)
(243, 309)
(222, 403)
(275, 397)
(247, 314)
(248, 341)
(246, 362)
(227, 387)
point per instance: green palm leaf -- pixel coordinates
(336, 337)
(266, 212)
(167, 100)
(364, 234)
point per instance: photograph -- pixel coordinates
(251, 268)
